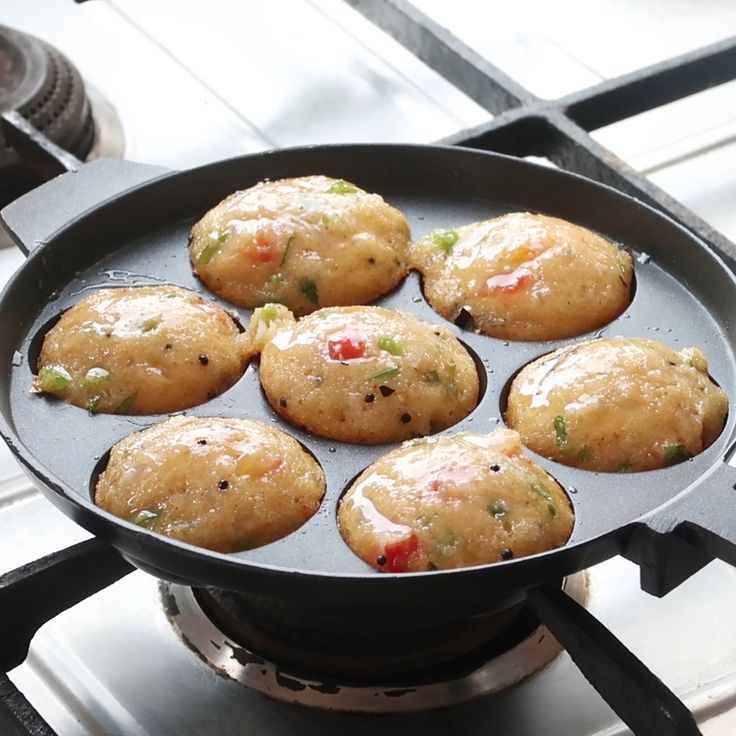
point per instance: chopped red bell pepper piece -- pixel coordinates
(346, 345)
(397, 554)
(505, 282)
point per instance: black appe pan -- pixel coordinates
(684, 296)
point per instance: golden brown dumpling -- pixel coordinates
(454, 501)
(525, 277)
(623, 404)
(308, 242)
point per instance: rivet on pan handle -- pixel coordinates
(696, 528)
(642, 701)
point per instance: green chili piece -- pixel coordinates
(342, 187)
(560, 430)
(276, 280)
(309, 289)
(151, 324)
(542, 491)
(146, 518)
(584, 453)
(385, 375)
(53, 378)
(211, 250)
(432, 377)
(497, 509)
(445, 239)
(390, 345)
(674, 454)
(126, 404)
(268, 312)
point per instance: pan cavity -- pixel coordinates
(224, 484)
(524, 277)
(138, 350)
(616, 405)
(369, 375)
(451, 501)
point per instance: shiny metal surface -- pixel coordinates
(405, 696)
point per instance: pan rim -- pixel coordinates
(92, 514)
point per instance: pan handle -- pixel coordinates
(642, 701)
(680, 539)
(33, 594)
(34, 217)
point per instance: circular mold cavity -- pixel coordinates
(183, 370)
(598, 435)
(439, 396)
(439, 531)
(222, 484)
(466, 320)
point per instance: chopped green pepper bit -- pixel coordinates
(211, 250)
(448, 540)
(584, 453)
(268, 312)
(497, 509)
(624, 467)
(126, 404)
(146, 518)
(151, 324)
(541, 490)
(385, 375)
(390, 344)
(674, 454)
(93, 403)
(276, 280)
(342, 187)
(560, 430)
(309, 289)
(95, 377)
(53, 378)
(432, 377)
(445, 239)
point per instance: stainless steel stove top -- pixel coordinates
(209, 86)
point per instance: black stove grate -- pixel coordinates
(523, 125)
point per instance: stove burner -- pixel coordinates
(42, 85)
(505, 660)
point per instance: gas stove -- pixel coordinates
(139, 657)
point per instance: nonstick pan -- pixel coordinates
(684, 296)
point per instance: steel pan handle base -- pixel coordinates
(639, 698)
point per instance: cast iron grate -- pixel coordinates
(523, 125)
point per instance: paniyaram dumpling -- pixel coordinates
(308, 242)
(141, 350)
(624, 404)
(224, 484)
(525, 277)
(364, 374)
(454, 501)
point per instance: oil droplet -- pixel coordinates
(417, 299)
(505, 343)
(643, 258)
(332, 449)
(572, 490)
(420, 217)
(17, 359)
